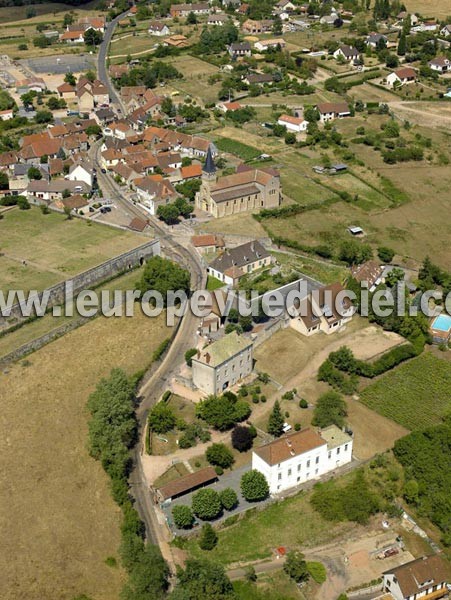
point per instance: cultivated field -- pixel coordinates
(416, 394)
(429, 8)
(58, 248)
(58, 522)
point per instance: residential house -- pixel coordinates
(301, 456)
(232, 3)
(333, 110)
(73, 36)
(426, 578)
(208, 243)
(127, 175)
(37, 146)
(239, 49)
(183, 10)
(286, 5)
(34, 84)
(191, 171)
(368, 273)
(66, 91)
(96, 23)
(6, 115)
(329, 19)
(252, 27)
(76, 202)
(295, 124)
(401, 76)
(158, 28)
(234, 263)
(228, 106)
(325, 309)
(153, 191)
(177, 41)
(258, 78)
(41, 191)
(248, 190)
(264, 45)
(425, 26)
(218, 19)
(440, 64)
(82, 170)
(223, 363)
(116, 71)
(348, 53)
(446, 31)
(375, 40)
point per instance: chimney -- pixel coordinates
(198, 354)
(207, 358)
(252, 246)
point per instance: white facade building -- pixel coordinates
(301, 456)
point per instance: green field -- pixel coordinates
(416, 394)
(54, 248)
(291, 523)
(241, 150)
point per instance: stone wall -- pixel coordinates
(88, 279)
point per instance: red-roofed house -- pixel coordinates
(295, 124)
(228, 106)
(401, 76)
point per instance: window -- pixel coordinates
(329, 455)
(316, 471)
(299, 467)
(289, 472)
(279, 477)
(298, 479)
(338, 451)
(308, 464)
(317, 460)
(346, 447)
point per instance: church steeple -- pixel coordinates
(209, 168)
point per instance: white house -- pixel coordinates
(295, 124)
(333, 110)
(81, 171)
(263, 45)
(426, 577)
(301, 456)
(234, 263)
(440, 64)
(218, 19)
(425, 26)
(159, 29)
(349, 53)
(446, 31)
(223, 363)
(6, 115)
(401, 76)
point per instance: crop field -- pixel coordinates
(59, 248)
(429, 8)
(55, 503)
(241, 150)
(416, 394)
(196, 73)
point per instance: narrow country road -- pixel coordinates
(184, 337)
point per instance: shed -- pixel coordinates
(186, 484)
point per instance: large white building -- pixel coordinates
(301, 456)
(223, 363)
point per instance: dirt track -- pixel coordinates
(427, 114)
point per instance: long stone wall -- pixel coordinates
(88, 279)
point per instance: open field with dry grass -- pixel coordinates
(243, 224)
(429, 8)
(58, 522)
(60, 248)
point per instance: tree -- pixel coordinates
(191, 19)
(222, 412)
(220, 455)
(34, 173)
(163, 275)
(149, 577)
(402, 44)
(229, 498)
(189, 355)
(411, 491)
(70, 78)
(392, 61)
(161, 418)
(23, 203)
(242, 438)
(254, 486)
(354, 253)
(290, 138)
(276, 421)
(90, 75)
(296, 567)
(93, 130)
(68, 20)
(202, 579)
(183, 516)
(92, 37)
(6, 100)
(43, 116)
(169, 213)
(330, 409)
(385, 254)
(208, 538)
(4, 181)
(55, 103)
(206, 504)
(250, 575)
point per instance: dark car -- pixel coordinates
(104, 171)
(107, 208)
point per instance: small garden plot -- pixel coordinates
(241, 150)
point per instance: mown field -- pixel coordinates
(58, 522)
(54, 248)
(416, 394)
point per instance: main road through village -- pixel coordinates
(159, 379)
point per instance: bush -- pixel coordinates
(208, 538)
(161, 418)
(385, 254)
(229, 499)
(189, 354)
(254, 486)
(330, 409)
(303, 403)
(297, 427)
(317, 571)
(219, 470)
(183, 516)
(220, 455)
(242, 438)
(206, 504)
(222, 412)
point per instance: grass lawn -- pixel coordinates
(54, 499)
(415, 394)
(58, 248)
(292, 523)
(318, 269)
(241, 224)
(131, 44)
(213, 283)
(174, 472)
(269, 586)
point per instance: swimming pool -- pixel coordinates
(441, 323)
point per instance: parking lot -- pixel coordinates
(58, 65)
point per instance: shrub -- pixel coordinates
(208, 538)
(219, 470)
(330, 409)
(183, 516)
(317, 571)
(222, 412)
(229, 499)
(242, 438)
(297, 427)
(189, 354)
(254, 486)
(206, 504)
(161, 418)
(303, 403)
(220, 455)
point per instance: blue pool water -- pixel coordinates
(442, 323)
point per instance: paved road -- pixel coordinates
(102, 60)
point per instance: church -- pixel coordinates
(250, 189)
